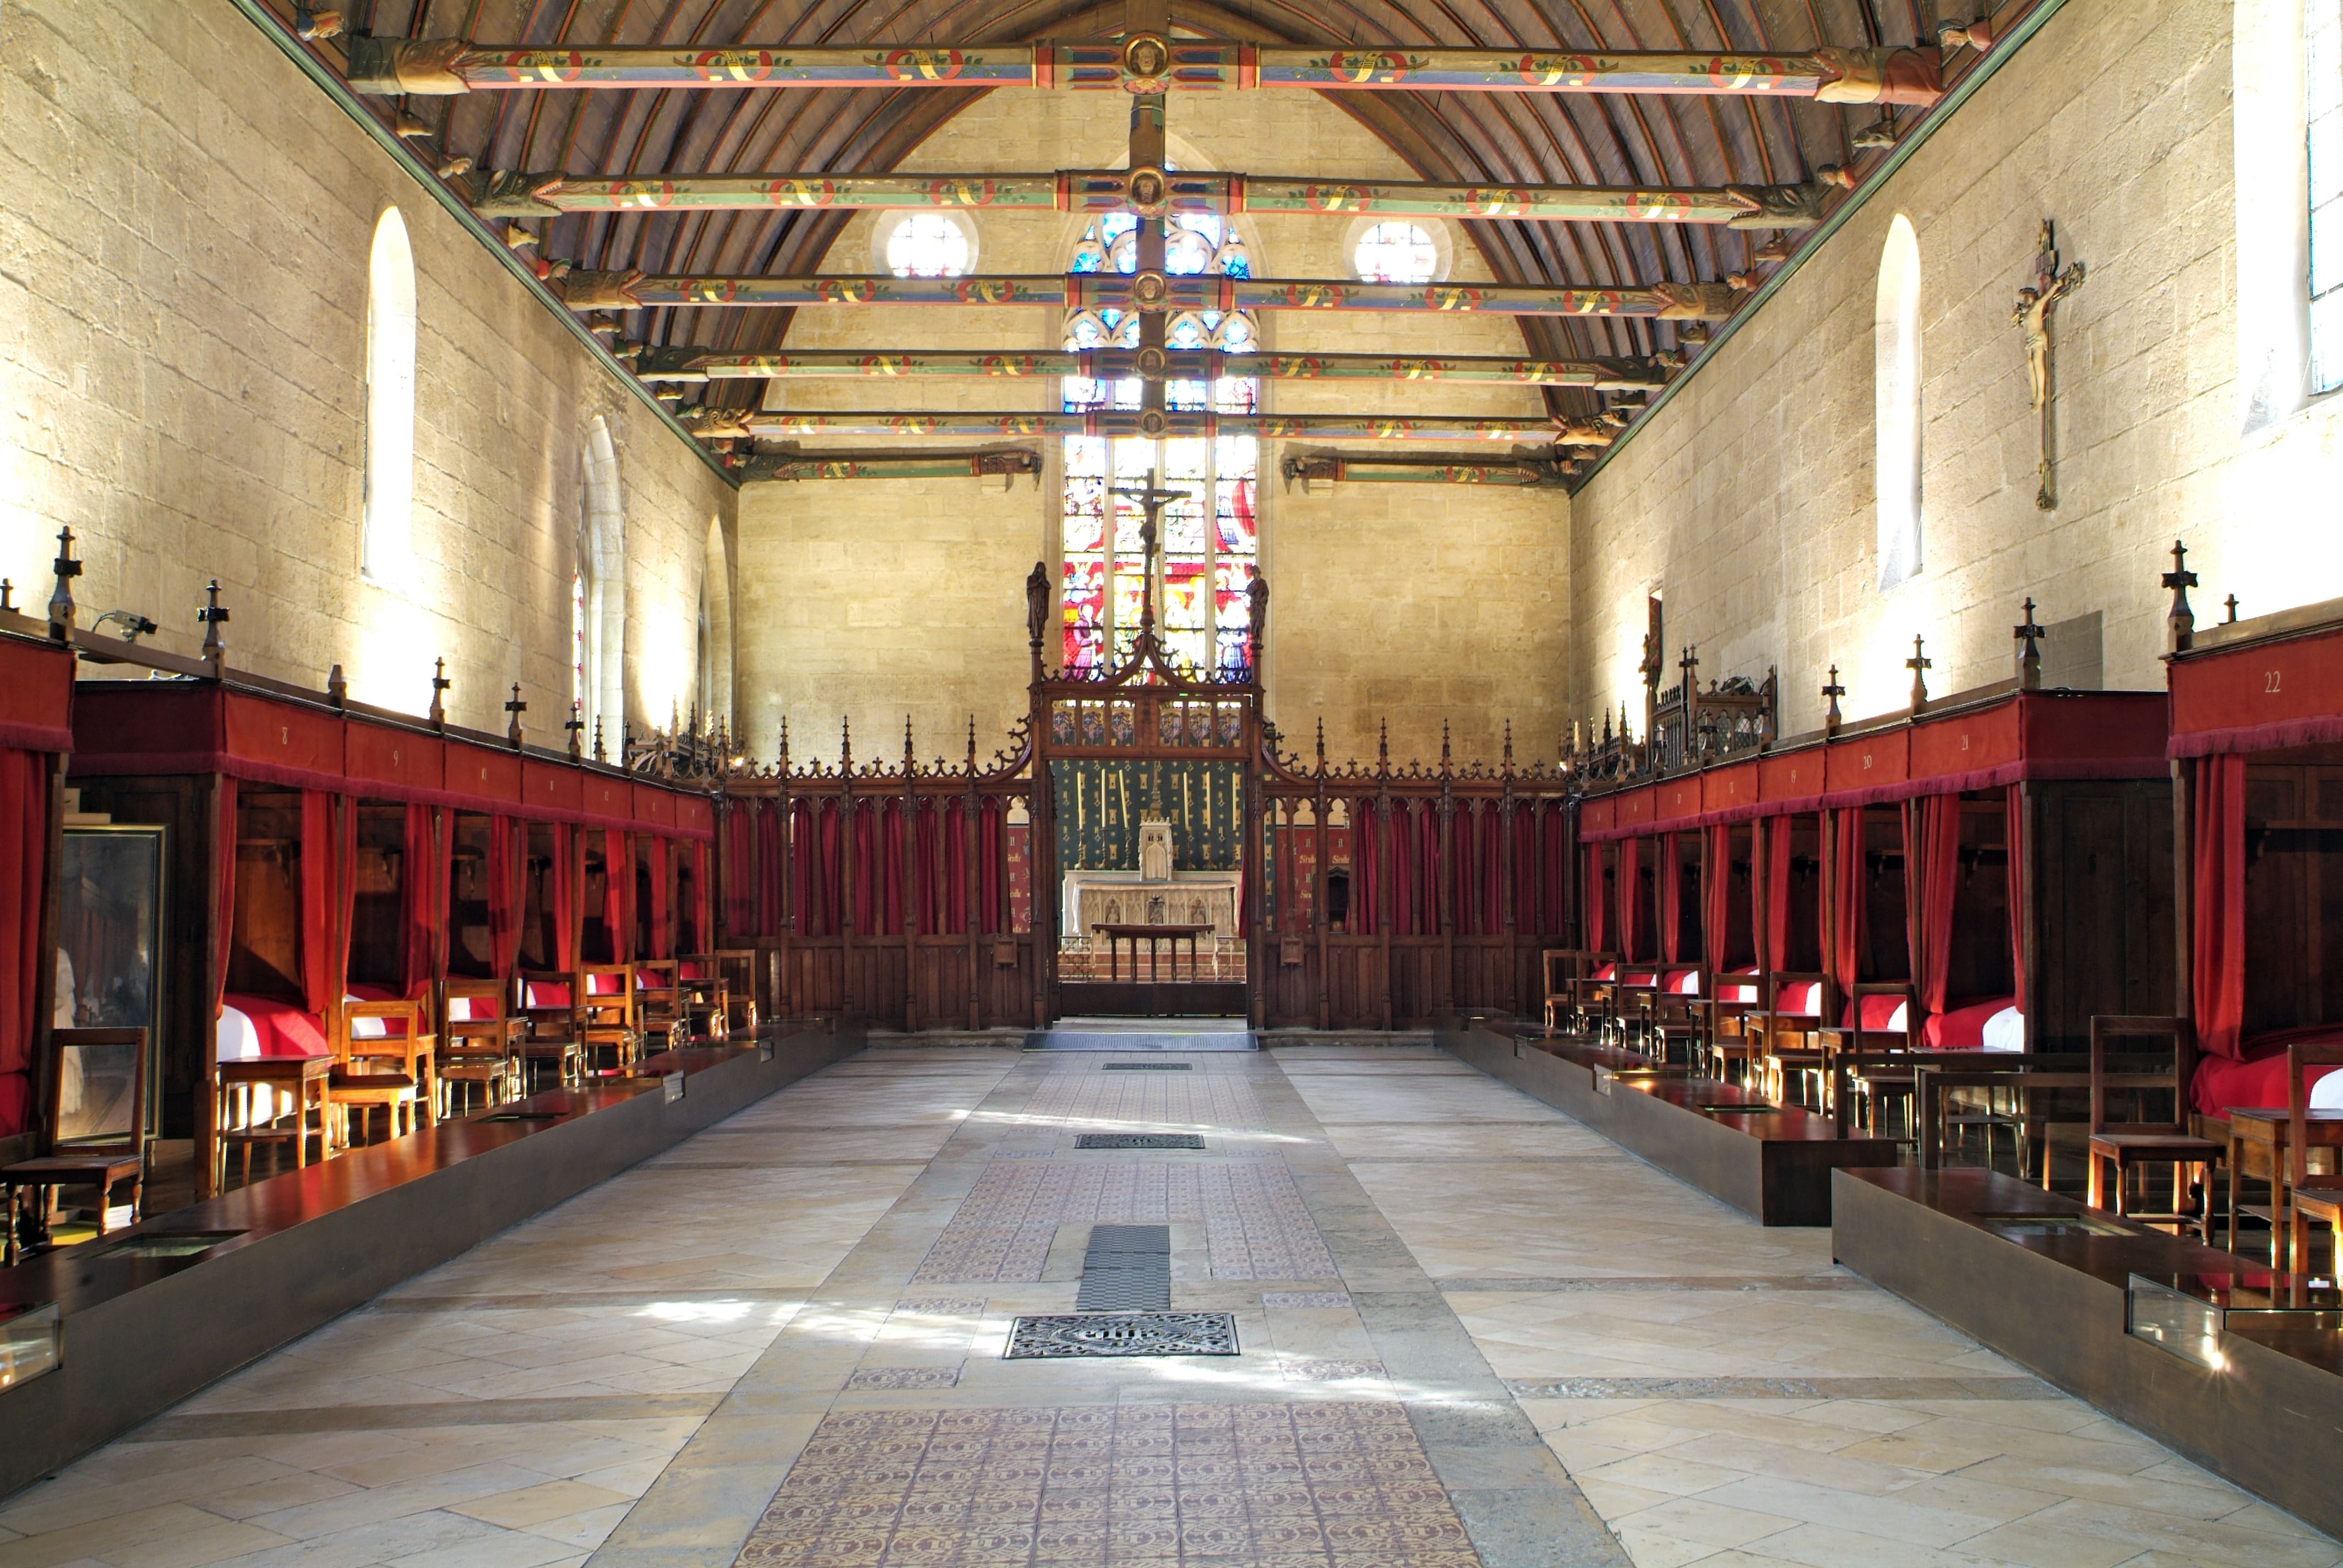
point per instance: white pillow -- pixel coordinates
(236, 1040)
(2327, 1094)
(2004, 1031)
(1900, 1020)
(367, 1028)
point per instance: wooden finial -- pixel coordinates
(1689, 664)
(785, 746)
(1444, 746)
(213, 615)
(1919, 664)
(1509, 745)
(971, 745)
(439, 686)
(1382, 746)
(60, 601)
(1257, 634)
(598, 738)
(1832, 690)
(2029, 656)
(1322, 743)
(337, 688)
(2230, 604)
(7, 591)
(575, 727)
(2179, 621)
(845, 743)
(1606, 725)
(515, 707)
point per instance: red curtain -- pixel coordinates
(1526, 871)
(1553, 842)
(618, 893)
(891, 861)
(1932, 855)
(561, 889)
(346, 889)
(1366, 871)
(1631, 898)
(1597, 899)
(829, 869)
(1715, 896)
(1492, 883)
(224, 833)
(741, 886)
(1843, 958)
(805, 869)
(2217, 978)
(1464, 878)
(703, 927)
(2014, 836)
(423, 875)
(320, 982)
(662, 911)
(1427, 883)
(767, 894)
(927, 853)
(1668, 883)
(992, 866)
(954, 880)
(1402, 867)
(507, 893)
(867, 908)
(1778, 839)
(24, 865)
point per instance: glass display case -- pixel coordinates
(110, 966)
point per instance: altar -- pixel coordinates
(1126, 899)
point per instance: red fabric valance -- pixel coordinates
(2257, 695)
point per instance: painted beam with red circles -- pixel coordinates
(1151, 292)
(1153, 191)
(1147, 64)
(746, 424)
(661, 365)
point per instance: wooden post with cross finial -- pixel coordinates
(2179, 621)
(1919, 664)
(1832, 692)
(62, 609)
(515, 707)
(213, 615)
(2029, 652)
(439, 685)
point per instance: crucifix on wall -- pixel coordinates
(1152, 499)
(2034, 305)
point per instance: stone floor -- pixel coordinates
(1471, 1334)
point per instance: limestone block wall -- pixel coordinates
(1749, 503)
(1384, 597)
(183, 314)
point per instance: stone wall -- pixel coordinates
(1748, 503)
(1408, 602)
(183, 305)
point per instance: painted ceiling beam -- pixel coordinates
(1152, 192)
(1147, 64)
(1154, 292)
(792, 466)
(747, 424)
(1446, 468)
(1644, 375)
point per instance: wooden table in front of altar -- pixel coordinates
(1154, 937)
(2257, 1136)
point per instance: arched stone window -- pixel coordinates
(1896, 331)
(716, 638)
(386, 547)
(1210, 549)
(602, 570)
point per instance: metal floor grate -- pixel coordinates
(1149, 1067)
(1124, 1334)
(1139, 1140)
(1126, 1269)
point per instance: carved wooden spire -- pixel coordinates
(337, 688)
(515, 707)
(213, 615)
(61, 600)
(1832, 691)
(575, 727)
(439, 685)
(1919, 664)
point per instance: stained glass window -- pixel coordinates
(1210, 549)
(1396, 251)
(2324, 56)
(926, 245)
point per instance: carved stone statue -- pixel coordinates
(1037, 604)
(1154, 849)
(2032, 315)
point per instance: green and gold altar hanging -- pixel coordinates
(1100, 803)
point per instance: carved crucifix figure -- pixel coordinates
(1152, 499)
(2033, 314)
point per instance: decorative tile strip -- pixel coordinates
(1885, 1388)
(1301, 1300)
(1307, 1370)
(1139, 1140)
(1528, 1286)
(883, 1378)
(1123, 1334)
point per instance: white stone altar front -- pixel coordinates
(1125, 899)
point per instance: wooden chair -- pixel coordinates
(605, 1003)
(1869, 1064)
(2131, 1145)
(94, 1139)
(2309, 1195)
(659, 1004)
(739, 967)
(553, 1028)
(1732, 1000)
(480, 1043)
(393, 1071)
(1559, 969)
(703, 995)
(1595, 994)
(1787, 1042)
(1681, 1016)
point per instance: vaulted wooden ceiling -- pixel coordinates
(1501, 137)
